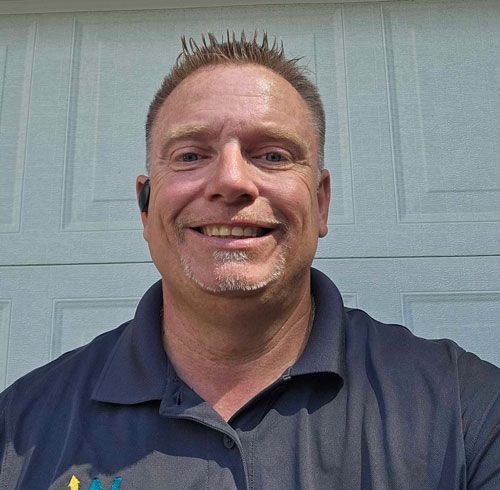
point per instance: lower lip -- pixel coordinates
(233, 243)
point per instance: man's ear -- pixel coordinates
(323, 202)
(142, 189)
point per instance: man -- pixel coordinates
(242, 368)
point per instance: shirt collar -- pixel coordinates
(325, 349)
(138, 370)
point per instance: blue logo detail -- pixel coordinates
(96, 484)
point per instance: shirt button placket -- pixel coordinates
(228, 441)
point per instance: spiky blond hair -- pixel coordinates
(239, 51)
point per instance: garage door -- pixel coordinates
(411, 91)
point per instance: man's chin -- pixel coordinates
(233, 278)
(231, 283)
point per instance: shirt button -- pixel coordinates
(228, 441)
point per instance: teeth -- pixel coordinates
(236, 231)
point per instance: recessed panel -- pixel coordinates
(16, 59)
(444, 91)
(470, 319)
(117, 67)
(78, 321)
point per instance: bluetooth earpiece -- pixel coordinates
(143, 197)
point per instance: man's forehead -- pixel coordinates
(234, 84)
(235, 99)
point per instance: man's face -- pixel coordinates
(237, 201)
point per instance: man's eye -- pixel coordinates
(189, 157)
(274, 157)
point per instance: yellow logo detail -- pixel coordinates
(74, 483)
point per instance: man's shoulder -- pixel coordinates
(394, 341)
(78, 369)
(395, 351)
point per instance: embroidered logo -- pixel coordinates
(95, 484)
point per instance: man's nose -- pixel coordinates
(232, 179)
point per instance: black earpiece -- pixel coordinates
(143, 197)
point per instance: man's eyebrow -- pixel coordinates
(265, 131)
(281, 134)
(195, 131)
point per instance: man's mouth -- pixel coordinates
(225, 231)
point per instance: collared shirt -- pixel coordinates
(367, 405)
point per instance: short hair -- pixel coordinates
(239, 51)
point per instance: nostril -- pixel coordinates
(233, 198)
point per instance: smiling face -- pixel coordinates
(237, 201)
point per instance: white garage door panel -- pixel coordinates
(411, 115)
(45, 311)
(115, 63)
(445, 109)
(16, 59)
(413, 195)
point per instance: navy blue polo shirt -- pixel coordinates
(367, 405)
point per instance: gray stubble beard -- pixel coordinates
(226, 283)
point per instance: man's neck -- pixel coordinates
(231, 349)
